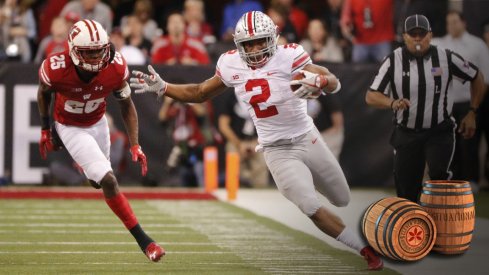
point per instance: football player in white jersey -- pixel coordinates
(296, 155)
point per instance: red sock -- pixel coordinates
(120, 206)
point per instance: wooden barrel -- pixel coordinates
(399, 229)
(451, 205)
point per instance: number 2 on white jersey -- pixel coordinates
(260, 98)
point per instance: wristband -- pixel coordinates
(392, 104)
(45, 123)
(323, 81)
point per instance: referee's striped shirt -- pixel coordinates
(425, 81)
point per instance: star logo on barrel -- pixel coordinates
(415, 235)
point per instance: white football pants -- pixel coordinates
(303, 166)
(89, 147)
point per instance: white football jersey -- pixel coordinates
(276, 112)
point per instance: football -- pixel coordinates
(298, 76)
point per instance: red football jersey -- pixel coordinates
(79, 103)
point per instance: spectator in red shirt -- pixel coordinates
(176, 47)
(369, 25)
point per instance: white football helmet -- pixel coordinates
(89, 45)
(251, 26)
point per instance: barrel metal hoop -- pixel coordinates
(426, 192)
(378, 222)
(447, 206)
(441, 186)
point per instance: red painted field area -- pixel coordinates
(87, 193)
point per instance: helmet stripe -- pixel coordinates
(96, 29)
(250, 23)
(89, 29)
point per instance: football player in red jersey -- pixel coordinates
(80, 79)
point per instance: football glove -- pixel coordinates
(45, 143)
(311, 85)
(138, 155)
(144, 83)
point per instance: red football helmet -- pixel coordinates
(89, 45)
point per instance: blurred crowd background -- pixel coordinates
(144, 30)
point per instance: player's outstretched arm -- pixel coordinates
(153, 83)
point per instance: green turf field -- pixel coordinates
(200, 237)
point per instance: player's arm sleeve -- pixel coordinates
(45, 73)
(122, 70)
(123, 93)
(300, 57)
(221, 70)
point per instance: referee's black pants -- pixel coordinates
(414, 149)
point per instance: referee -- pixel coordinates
(415, 82)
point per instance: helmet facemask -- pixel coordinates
(261, 57)
(92, 59)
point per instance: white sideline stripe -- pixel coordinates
(97, 243)
(110, 252)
